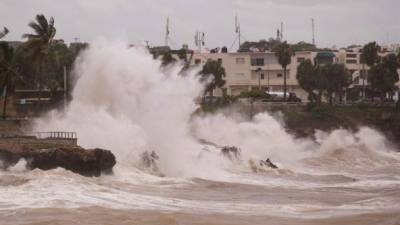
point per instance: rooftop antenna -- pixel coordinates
(167, 32)
(237, 30)
(281, 31)
(313, 31)
(199, 39)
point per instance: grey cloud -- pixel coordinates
(338, 22)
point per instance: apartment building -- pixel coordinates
(351, 58)
(255, 70)
(261, 70)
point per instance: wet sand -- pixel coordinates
(104, 216)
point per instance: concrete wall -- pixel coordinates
(30, 140)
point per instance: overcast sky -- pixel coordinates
(338, 22)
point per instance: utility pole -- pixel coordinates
(65, 87)
(167, 32)
(313, 31)
(281, 31)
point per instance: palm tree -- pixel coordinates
(284, 53)
(38, 43)
(217, 71)
(8, 75)
(4, 32)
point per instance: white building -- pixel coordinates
(253, 70)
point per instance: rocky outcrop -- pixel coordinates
(231, 152)
(87, 162)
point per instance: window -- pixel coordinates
(262, 77)
(239, 60)
(280, 75)
(197, 61)
(299, 60)
(351, 61)
(257, 62)
(351, 55)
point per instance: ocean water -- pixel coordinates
(124, 102)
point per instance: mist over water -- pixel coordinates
(123, 101)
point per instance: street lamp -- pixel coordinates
(259, 78)
(268, 77)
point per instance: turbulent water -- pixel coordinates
(124, 102)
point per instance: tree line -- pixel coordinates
(38, 63)
(333, 79)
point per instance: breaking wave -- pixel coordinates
(124, 101)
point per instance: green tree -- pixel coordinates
(8, 76)
(303, 46)
(182, 54)
(336, 77)
(167, 58)
(369, 53)
(369, 56)
(284, 53)
(186, 56)
(307, 78)
(213, 73)
(38, 44)
(383, 75)
(262, 45)
(60, 57)
(398, 58)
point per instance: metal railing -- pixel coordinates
(54, 135)
(42, 135)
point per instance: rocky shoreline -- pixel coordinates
(87, 162)
(302, 122)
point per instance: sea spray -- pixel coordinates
(123, 101)
(260, 138)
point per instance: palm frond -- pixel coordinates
(42, 21)
(53, 32)
(30, 36)
(51, 22)
(4, 32)
(37, 28)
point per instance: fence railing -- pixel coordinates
(43, 135)
(54, 135)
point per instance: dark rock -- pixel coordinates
(91, 162)
(231, 152)
(149, 161)
(8, 158)
(268, 163)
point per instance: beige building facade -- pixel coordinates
(253, 70)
